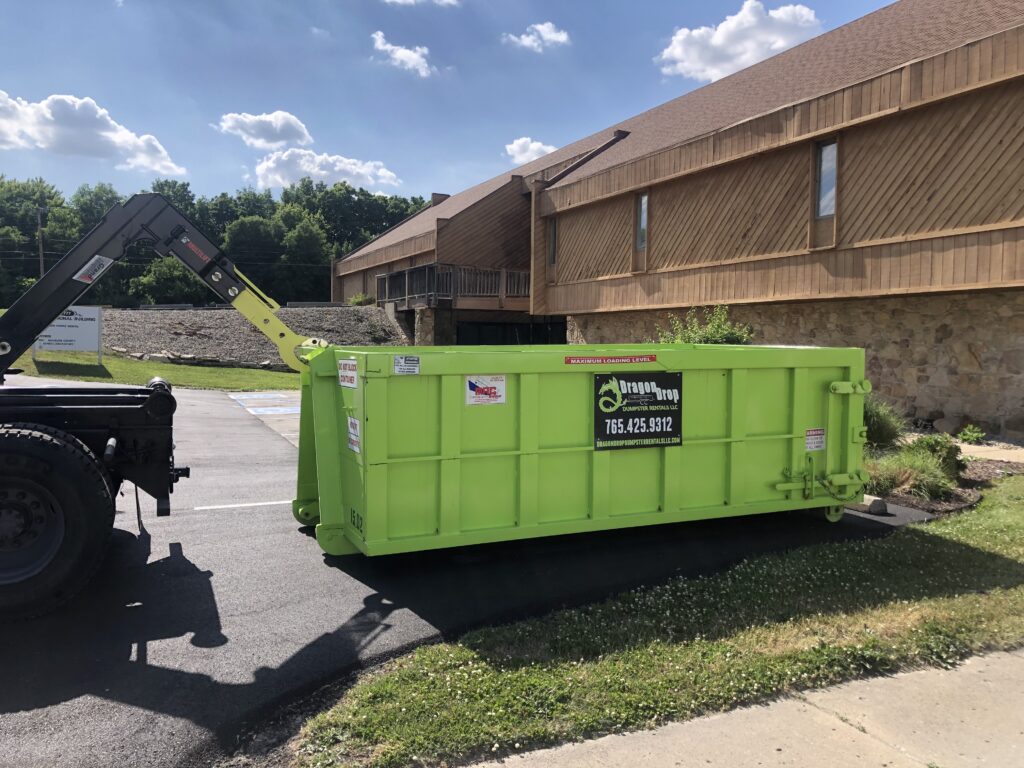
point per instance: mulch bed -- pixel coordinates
(978, 475)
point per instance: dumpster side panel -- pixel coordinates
(491, 444)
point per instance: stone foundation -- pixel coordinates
(952, 358)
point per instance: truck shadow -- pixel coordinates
(98, 646)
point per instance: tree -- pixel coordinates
(92, 203)
(168, 281)
(179, 193)
(304, 270)
(249, 202)
(254, 244)
(214, 214)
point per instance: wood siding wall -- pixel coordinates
(493, 233)
(981, 260)
(595, 241)
(943, 168)
(753, 207)
(927, 200)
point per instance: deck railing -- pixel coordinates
(425, 284)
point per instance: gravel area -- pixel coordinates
(225, 337)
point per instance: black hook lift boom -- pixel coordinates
(64, 452)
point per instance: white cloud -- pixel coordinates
(752, 34)
(271, 130)
(69, 125)
(278, 169)
(448, 3)
(413, 59)
(525, 150)
(539, 37)
(320, 33)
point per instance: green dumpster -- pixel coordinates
(411, 448)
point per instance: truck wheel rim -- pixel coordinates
(31, 529)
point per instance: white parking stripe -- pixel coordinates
(242, 506)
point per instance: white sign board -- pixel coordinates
(78, 329)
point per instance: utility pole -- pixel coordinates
(40, 210)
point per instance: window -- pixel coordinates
(826, 202)
(552, 241)
(641, 222)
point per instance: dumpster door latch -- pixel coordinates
(861, 387)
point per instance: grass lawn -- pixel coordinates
(926, 595)
(82, 366)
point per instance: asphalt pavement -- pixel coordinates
(200, 624)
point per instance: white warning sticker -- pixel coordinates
(354, 443)
(814, 439)
(92, 271)
(348, 373)
(407, 365)
(485, 390)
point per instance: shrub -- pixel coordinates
(360, 300)
(913, 471)
(716, 328)
(971, 434)
(885, 424)
(945, 450)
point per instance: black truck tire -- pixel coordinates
(56, 515)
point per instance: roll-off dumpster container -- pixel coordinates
(412, 448)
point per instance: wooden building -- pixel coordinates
(866, 187)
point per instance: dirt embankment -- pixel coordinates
(224, 337)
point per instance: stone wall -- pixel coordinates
(952, 358)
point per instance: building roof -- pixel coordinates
(888, 38)
(871, 45)
(426, 220)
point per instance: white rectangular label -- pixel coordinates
(77, 328)
(814, 440)
(348, 373)
(485, 390)
(407, 365)
(354, 443)
(92, 271)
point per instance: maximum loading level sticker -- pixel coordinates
(814, 440)
(92, 271)
(609, 359)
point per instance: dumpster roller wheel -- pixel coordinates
(306, 512)
(834, 514)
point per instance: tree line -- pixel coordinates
(285, 246)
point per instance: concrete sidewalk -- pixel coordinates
(969, 716)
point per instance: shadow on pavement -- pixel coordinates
(98, 645)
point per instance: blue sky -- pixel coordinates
(230, 93)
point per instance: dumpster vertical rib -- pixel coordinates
(306, 505)
(450, 522)
(737, 434)
(797, 395)
(529, 407)
(376, 452)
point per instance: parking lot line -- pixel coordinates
(243, 505)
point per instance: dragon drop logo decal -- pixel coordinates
(637, 410)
